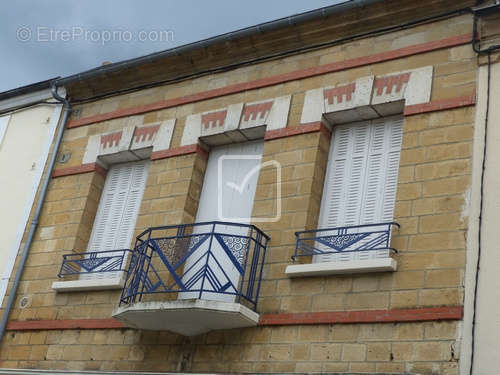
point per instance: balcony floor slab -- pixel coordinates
(188, 317)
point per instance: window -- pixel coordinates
(118, 209)
(361, 179)
(245, 157)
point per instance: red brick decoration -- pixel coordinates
(334, 317)
(177, 151)
(311, 127)
(145, 133)
(366, 316)
(281, 78)
(214, 119)
(440, 105)
(254, 111)
(111, 140)
(339, 92)
(39, 325)
(391, 83)
(79, 169)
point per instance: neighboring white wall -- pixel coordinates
(23, 155)
(487, 342)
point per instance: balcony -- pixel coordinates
(92, 271)
(194, 278)
(344, 250)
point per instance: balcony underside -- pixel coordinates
(188, 317)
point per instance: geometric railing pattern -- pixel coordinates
(216, 260)
(97, 262)
(344, 241)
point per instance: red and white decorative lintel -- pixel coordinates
(368, 97)
(237, 122)
(133, 142)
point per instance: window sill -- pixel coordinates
(82, 285)
(342, 268)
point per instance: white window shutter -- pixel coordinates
(4, 122)
(132, 205)
(355, 181)
(118, 209)
(361, 179)
(395, 137)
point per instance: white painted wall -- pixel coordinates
(487, 335)
(23, 155)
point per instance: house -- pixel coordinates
(29, 117)
(299, 196)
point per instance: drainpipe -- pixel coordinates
(39, 205)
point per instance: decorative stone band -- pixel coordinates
(315, 318)
(321, 126)
(277, 79)
(366, 316)
(131, 143)
(312, 127)
(440, 105)
(79, 169)
(368, 97)
(178, 151)
(237, 122)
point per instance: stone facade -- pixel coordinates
(431, 206)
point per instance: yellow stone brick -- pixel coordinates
(314, 333)
(442, 222)
(378, 352)
(345, 332)
(276, 352)
(353, 352)
(328, 302)
(403, 280)
(359, 301)
(412, 156)
(437, 241)
(409, 191)
(307, 286)
(404, 299)
(364, 283)
(296, 304)
(334, 367)
(443, 278)
(300, 352)
(431, 351)
(446, 186)
(449, 151)
(443, 330)
(325, 352)
(428, 206)
(284, 334)
(437, 297)
(375, 332)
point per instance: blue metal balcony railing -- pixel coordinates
(345, 243)
(212, 260)
(98, 263)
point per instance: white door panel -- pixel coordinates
(238, 182)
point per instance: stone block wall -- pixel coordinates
(431, 206)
